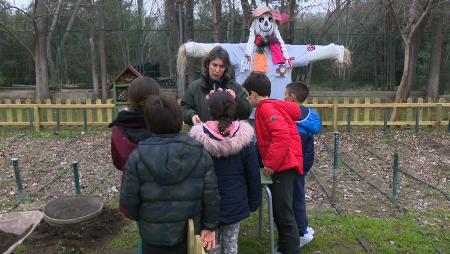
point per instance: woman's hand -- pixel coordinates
(196, 120)
(208, 239)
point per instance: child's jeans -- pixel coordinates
(299, 205)
(226, 239)
(282, 192)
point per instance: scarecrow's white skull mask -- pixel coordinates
(264, 25)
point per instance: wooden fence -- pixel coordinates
(45, 114)
(334, 113)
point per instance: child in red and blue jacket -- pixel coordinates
(308, 125)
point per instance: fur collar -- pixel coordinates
(226, 146)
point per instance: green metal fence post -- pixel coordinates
(15, 162)
(30, 117)
(395, 180)
(85, 123)
(335, 166)
(417, 119)
(58, 119)
(76, 177)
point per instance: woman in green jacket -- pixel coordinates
(216, 73)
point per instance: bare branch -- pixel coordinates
(17, 39)
(396, 23)
(422, 18)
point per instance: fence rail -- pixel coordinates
(334, 112)
(56, 113)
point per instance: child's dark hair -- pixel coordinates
(299, 89)
(222, 108)
(139, 90)
(257, 82)
(163, 115)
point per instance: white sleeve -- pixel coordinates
(195, 49)
(235, 51)
(304, 54)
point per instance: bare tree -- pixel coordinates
(291, 24)
(40, 24)
(189, 18)
(217, 20)
(53, 69)
(172, 34)
(440, 18)
(231, 21)
(101, 49)
(418, 16)
(245, 19)
(93, 52)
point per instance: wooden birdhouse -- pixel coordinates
(120, 85)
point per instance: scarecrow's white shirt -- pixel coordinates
(300, 53)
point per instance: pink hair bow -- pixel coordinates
(231, 92)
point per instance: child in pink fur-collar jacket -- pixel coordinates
(231, 146)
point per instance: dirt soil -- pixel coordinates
(46, 174)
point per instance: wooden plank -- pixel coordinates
(9, 116)
(429, 110)
(27, 118)
(69, 117)
(99, 111)
(109, 112)
(191, 237)
(356, 111)
(325, 111)
(345, 108)
(89, 111)
(439, 111)
(37, 120)
(409, 112)
(367, 110)
(78, 115)
(420, 100)
(335, 114)
(377, 111)
(49, 111)
(19, 111)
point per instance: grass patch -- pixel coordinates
(334, 234)
(127, 239)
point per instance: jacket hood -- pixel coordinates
(218, 146)
(170, 158)
(129, 119)
(291, 109)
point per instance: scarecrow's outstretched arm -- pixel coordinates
(305, 54)
(195, 49)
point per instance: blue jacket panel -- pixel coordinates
(308, 125)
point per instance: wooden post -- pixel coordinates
(19, 112)
(409, 110)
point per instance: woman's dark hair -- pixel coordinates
(222, 108)
(163, 115)
(258, 82)
(139, 90)
(222, 54)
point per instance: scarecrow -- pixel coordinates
(265, 51)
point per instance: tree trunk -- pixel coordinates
(75, 11)
(102, 51)
(93, 53)
(41, 30)
(53, 68)
(217, 20)
(245, 20)
(172, 34)
(291, 24)
(254, 4)
(436, 57)
(189, 18)
(230, 27)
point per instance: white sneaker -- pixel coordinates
(310, 230)
(306, 239)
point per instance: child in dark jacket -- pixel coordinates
(169, 179)
(308, 125)
(128, 128)
(278, 143)
(230, 144)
